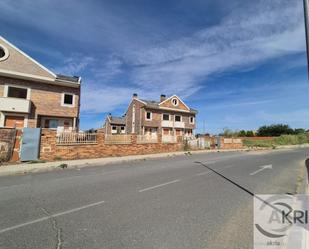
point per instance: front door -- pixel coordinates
(14, 121)
(30, 144)
(178, 132)
(166, 131)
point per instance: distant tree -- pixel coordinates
(242, 133)
(299, 131)
(274, 130)
(227, 132)
(249, 134)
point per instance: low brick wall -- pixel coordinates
(49, 150)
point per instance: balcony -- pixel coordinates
(171, 124)
(15, 105)
(167, 123)
(179, 124)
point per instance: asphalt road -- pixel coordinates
(160, 203)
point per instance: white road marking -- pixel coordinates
(270, 166)
(12, 186)
(51, 216)
(160, 185)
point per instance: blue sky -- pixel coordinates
(242, 64)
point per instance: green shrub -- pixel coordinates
(286, 139)
(258, 143)
(292, 139)
(281, 140)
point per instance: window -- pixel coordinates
(4, 53)
(122, 128)
(175, 101)
(16, 92)
(114, 128)
(51, 123)
(177, 118)
(166, 117)
(191, 120)
(68, 99)
(148, 115)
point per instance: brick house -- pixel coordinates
(169, 117)
(33, 96)
(115, 125)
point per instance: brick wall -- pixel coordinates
(231, 143)
(50, 150)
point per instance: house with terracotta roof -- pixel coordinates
(167, 116)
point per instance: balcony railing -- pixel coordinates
(67, 137)
(146, 139)
(15, 105)
(169, 139)
(172, 124)
(179, 124)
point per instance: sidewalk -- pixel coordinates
(23, 168)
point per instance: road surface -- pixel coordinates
(174, 202)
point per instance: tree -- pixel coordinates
(299, 131)
(274, 130)
(249, 134)
(242, 133)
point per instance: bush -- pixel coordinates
(282, 140)
(258, 143)
(292, 139)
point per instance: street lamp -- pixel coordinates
(306, 13)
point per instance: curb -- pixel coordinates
(24, 168)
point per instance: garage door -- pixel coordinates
(14, 121)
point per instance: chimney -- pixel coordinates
(162, 97)
(134, 95)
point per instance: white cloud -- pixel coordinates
(162, 61)
(246, 37)
(74, 65)
(104, 99)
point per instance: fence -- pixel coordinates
(169, 139)
(144, 139)
(65, 138)
(118, 139)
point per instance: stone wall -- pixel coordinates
(51, 151)
(8, 141)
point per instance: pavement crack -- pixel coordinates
(55, 226)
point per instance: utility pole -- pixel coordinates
(204, 127)
(306, 15)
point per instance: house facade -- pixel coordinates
(168, 116)
(115, 125)
(33, 96)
